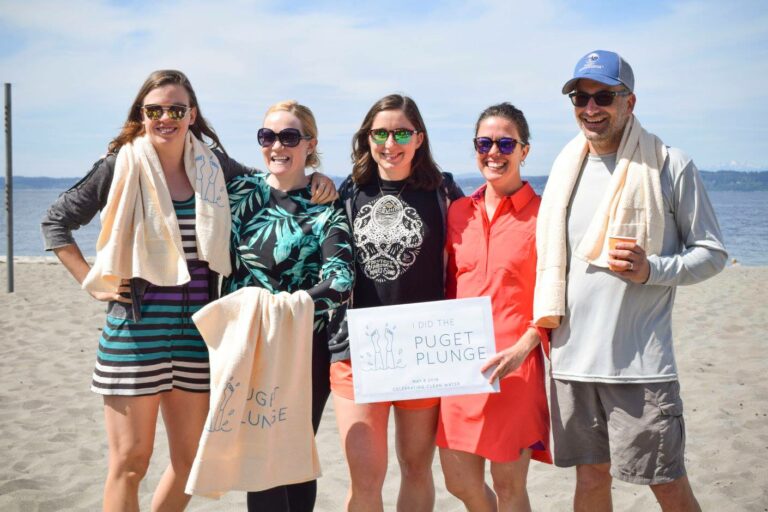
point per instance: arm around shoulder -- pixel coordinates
(232, 168)
(346, 188)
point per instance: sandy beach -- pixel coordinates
(54, 451)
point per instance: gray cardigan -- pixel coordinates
(77, 206)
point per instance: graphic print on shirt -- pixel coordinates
(388, 236)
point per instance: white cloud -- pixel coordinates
(699, 68)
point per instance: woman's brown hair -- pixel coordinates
(133, 126)
(425, 173)
(512, 114)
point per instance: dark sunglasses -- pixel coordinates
(401, 135)
(175, 112)
(506, 144)
(288, 137)
(602, 98)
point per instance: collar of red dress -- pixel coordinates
(519, 198)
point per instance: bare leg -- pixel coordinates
(465, 478)
(363, 432)
(593, 488)
(676, 496)
(415, 444)
(184, 415)
(130, 423)
(509, 482)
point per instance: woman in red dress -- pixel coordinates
(492, 252)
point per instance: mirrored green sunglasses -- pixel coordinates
(400, 135)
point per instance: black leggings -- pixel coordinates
(300, 497)
(286, 498)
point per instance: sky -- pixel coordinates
(700, 69)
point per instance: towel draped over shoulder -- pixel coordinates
(632, 206)
(140, 235)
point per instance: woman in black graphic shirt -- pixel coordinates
(396, 200)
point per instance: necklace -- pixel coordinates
(402, 187)
(388, 210)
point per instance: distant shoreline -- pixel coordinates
(734, 181)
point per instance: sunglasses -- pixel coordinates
(175, 112)
(506, 144)
(401, 135)
(602, 98)
(288, 137)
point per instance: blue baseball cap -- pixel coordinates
(602, 66)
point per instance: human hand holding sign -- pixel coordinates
(510, 359)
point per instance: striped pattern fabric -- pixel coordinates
(185, 212)
(164, 350)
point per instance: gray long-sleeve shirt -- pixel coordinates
(616, 331)
(77, 206)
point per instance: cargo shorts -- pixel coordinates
(637, 428)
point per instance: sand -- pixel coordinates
(53, 451)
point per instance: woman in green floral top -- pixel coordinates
(282, 242)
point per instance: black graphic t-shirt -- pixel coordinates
(398, 236)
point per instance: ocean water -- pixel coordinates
(743, 218)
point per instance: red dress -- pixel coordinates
(497, 258)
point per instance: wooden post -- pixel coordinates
(9, 186)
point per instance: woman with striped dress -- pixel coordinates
(151, 357)
(165, 338)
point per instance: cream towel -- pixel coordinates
(632, 206)
(140, 234)
(258, 434)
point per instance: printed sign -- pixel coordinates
(421, 350)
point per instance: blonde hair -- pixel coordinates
(308, 125)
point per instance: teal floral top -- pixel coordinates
(282, 242)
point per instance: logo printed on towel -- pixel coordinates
(264, 410)
(219, 421)
(206, 180)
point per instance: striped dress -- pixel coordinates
(164, 350)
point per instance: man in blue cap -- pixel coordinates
(624, 220)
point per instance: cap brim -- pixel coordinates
(570, 85)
